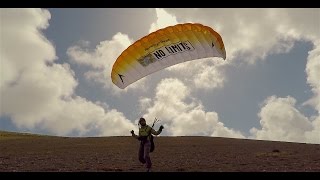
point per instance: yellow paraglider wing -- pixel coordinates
(164, 48)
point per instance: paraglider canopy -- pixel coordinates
(166, 47)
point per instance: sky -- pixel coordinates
(56, 65)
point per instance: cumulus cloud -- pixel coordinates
(281, 121)
(246, 38)
(36, 92)
(203, 74)
(313, 136)
(181, 118)
(103, 56)
(313, 74)
(101, 60)
(164, 19)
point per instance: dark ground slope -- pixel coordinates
(25, 152)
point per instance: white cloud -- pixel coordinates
(255, 33)
(81, 116)
(144, 103)
(252, 34)
(33, 20)
(313, 74)
(103, 56)
(302, 22)
(281, 121)
(164, 19)
(181, 118)
(36, 92)
(246, 39)
(202, 74)
(313, 136)
(101, 60)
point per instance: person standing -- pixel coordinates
(145, 133)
